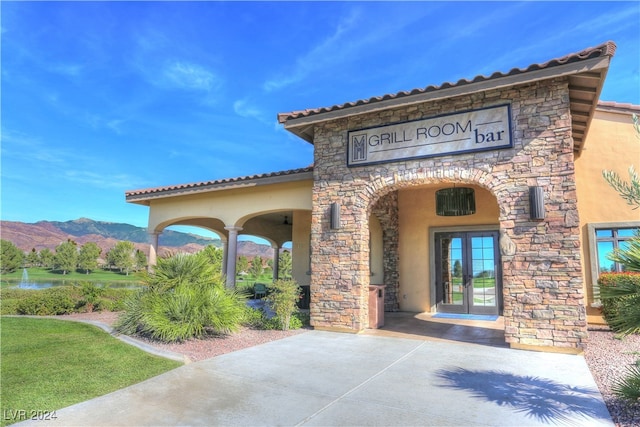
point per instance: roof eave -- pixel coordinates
(302, 126)
(144, 197)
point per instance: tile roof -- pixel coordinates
(612, 105)
(605, 49)
(265, 178)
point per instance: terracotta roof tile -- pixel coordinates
(618, 105)
(212, 184)
(605, 49)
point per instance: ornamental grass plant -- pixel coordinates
(184, 298)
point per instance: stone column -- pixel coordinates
(276, 260)
(153, 249)
(232, 253)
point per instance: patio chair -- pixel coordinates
(259, 289)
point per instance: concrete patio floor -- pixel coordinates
(386, 377)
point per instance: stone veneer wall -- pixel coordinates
(386, 210)
(542, 280)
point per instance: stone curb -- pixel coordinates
(124, 338)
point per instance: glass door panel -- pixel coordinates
(451, 269)
(467, 272)
(483, 290)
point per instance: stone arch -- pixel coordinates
(382, 200)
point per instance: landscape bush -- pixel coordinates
(620, 296)
(283, 298)
(48, 302)
(184, 298)
(258, 319)
(62, 300)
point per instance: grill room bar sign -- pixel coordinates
(465, 132)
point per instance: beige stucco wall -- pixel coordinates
(230, 207)
(417, 212)
(611, 144)
(242, 207)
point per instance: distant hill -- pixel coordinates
(120, 231)
(49, 234)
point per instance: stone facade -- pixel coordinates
(542, 280)
(386, 210)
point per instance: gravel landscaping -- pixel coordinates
(607, 357)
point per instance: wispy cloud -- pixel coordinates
(244, 108)
(540, 47)
(190, 76)
(100, 180)
(65, 69)
(30, 156)
(326, 51)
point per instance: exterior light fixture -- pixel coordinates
(335, 216)
(456, 201)
(536, 203)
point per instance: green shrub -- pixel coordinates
(253, 318)
(283, 297)
(628, 387)
(29, 299)
(113, 299)
(9, 299)
(48, 302)
(295, 322)
(620, 295)
(184, 299)
(258, 320)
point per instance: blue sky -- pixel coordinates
(103, 97)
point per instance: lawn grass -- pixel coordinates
(49, 364)
(43, 274)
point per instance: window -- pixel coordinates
(607, 240)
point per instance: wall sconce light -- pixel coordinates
(536, 203)
(335, 216)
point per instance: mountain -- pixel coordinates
(119, 231)
(49, 234)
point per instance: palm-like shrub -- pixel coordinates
(283, 298)
(185, 298)
(621, 308)
(620, 294)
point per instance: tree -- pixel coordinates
(121, 256)
(242, 264)
(285, 264)
(11, 257)
(32, 259)
(140, 260)
(88, 257)
(256, 267)
(629, 191)
(66, 256)
(457, 269)
(46, 258)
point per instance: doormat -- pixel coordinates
(486, 317)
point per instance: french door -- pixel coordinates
(468, 276)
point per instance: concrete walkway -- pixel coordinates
(335, 379)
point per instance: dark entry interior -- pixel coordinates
(468, 276)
